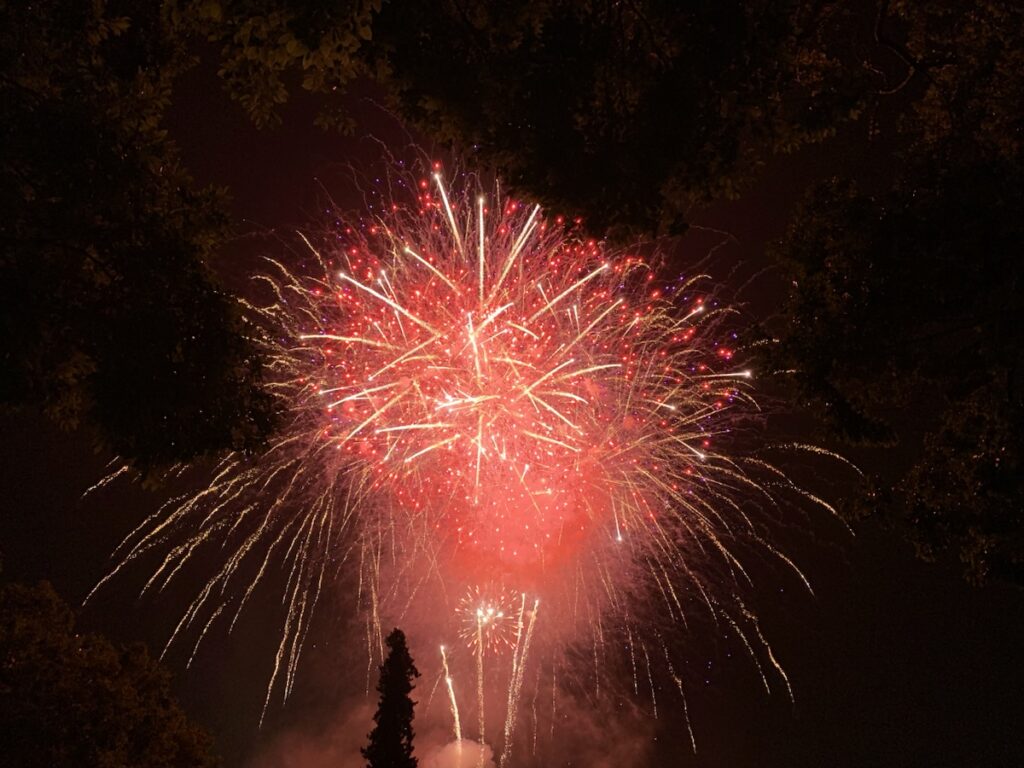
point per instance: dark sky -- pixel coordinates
(893, 662)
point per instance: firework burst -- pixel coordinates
(515, 388)
(475, 394)
(488, 617)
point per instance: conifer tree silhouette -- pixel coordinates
(391, 739)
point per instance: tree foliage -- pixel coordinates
(69, 700)
(969, 62)
(630, 113)
(268, 46)
(626, 113)
(390, 742)
(904, 316)
(110, 317)
(903, 322)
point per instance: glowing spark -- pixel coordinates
(432, 268)
(582, 281)
(481, 260)
(395, 306)
(448, 211)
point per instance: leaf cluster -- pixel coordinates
(110, 316)
(69, 699)
(266, 46)
(627, 113)
(903, 320)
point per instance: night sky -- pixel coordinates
(893, 662)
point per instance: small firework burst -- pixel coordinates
(487, 618)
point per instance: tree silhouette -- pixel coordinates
(624, 113)
(902, 324)
(110, 316)
(902, 331)
(391, 739)
(70, 699)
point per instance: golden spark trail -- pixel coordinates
(448, 211)
(517, 246)
(480, 683)
(451, 698)
(510, 706)
(516, 686)
(432, 268)
(395, 306)
(568, 290)
(481, 257)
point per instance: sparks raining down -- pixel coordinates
(473, 394)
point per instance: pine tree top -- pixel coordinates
(390, 742)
